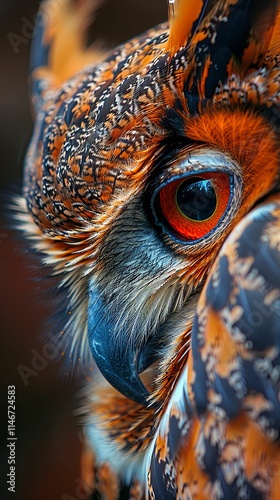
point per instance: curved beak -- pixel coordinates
(119, 361)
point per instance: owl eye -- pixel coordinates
(193, 206)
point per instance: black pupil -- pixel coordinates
(196, 198)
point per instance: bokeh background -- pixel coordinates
(48, 438)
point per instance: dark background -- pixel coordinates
(48, 445)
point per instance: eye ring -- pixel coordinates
(175, 201)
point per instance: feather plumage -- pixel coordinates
(180, 123)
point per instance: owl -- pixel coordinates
(151, 190)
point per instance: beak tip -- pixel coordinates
(117, 363)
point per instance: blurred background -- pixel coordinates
(48, 443)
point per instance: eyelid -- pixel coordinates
(197, 161)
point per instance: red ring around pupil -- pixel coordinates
(193, 206)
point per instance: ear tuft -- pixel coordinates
(183, 17)
(222, 38)
(58, 48)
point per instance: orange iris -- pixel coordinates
(194, 205)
